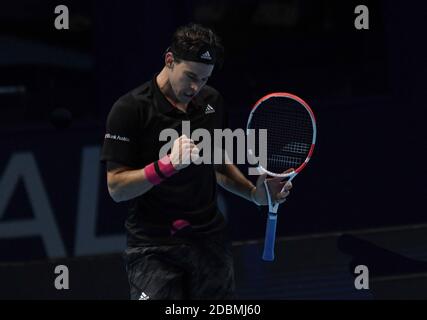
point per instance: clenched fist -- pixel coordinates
(184, 151)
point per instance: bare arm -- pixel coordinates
(231, 178)
(126, 183)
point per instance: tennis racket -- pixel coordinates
(291, 137)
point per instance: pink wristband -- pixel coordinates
(166, 166)
(151, 174)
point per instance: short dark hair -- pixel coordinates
(192, 38)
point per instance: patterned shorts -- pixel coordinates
(199, 269)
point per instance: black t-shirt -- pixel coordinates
(132, 139)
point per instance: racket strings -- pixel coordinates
(289, 132)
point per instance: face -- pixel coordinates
(187, 78)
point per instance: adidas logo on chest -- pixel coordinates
(209, 109)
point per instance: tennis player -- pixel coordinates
(177, 244)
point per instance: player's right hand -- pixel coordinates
(184, 151)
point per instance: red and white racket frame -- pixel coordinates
(257, 105)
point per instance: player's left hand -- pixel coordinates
(275, 185)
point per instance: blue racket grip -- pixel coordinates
(270, 238)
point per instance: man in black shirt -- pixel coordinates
(177, 244)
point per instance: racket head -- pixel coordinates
(291, 132)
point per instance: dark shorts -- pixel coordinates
(199, 269)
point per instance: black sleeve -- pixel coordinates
(221, 123)
(121, 141)
(222, 117)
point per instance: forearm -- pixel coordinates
(125, 183)
(231, 178)
(128, 184)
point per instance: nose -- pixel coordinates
(194, 87)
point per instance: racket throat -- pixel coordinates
(272, 207)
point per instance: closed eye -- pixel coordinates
(195, 78)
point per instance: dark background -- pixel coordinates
(366, 88)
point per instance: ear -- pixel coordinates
(169, 59)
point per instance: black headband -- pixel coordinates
(206, 54)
